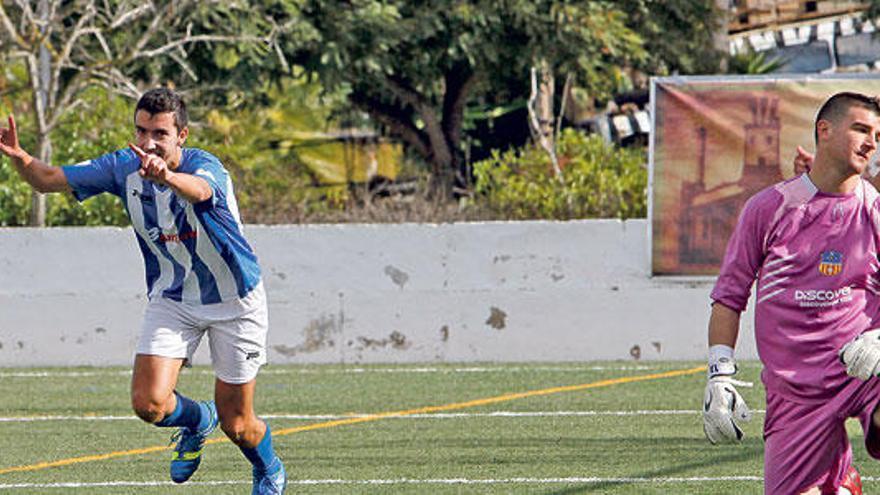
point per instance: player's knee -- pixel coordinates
(147, 408)
(235, 428)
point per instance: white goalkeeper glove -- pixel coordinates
(723, 407)
(861, 355)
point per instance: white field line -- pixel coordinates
(410, 481)
(400, 481)
(319, 371)
(331, 417)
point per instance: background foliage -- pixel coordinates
(448, 80)
(106, 126)
(599, 180)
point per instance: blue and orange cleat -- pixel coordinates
(273, 481)
(188, 451)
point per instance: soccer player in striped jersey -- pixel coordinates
(202, 278)
(810, 244)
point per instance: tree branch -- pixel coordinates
(11, 31)
(184, 66)
(63, 110)
(34, 76)
(50, 21)
(18, 54)
(63, 57)
(148, 34)
(395, 118)
(566, 88)
(131, 15)
(406, 132)
(405, 93)
(535, 127)
(193, 39)
(459, 82)
(116, 82)
(73, 87)
(442, 156)
(27, 15)
(104, 45)
(281, 58)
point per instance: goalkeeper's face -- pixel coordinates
(157, 134)
(851, 139)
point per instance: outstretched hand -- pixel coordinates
(153, 168)
(9, 145)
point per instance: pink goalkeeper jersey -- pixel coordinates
(814, 256)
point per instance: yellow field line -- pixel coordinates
(486, 401)
(375, 417)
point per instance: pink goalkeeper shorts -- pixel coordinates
(806, 445)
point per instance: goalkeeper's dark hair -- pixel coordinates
(163, 100)
(837, 105)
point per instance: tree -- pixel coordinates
(413, 66)
(679, 35)
(69, 46)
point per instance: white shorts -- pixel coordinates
(237, 332)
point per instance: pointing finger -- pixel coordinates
(137, 151)
(12, 125)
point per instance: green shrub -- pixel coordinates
(599, 181)
(15, 196)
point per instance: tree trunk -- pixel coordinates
(458, 84)
(538, 125)
(442, 174)
(41, 104)
(441, 155)
(37, 216)
(544, 103)
(720, 37)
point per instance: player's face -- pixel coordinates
(158, 134)
(855, 138)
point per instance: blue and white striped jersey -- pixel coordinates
(193, 253)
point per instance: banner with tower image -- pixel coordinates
(716, 141)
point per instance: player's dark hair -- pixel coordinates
(837, 105)
(163, 100)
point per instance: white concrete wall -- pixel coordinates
(518, 291)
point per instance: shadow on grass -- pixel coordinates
(750, 449)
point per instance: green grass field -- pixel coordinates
(609, 427)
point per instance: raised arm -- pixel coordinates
(187, 186)
(41, 176)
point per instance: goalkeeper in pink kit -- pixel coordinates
(810, 244)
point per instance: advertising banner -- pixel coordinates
(716, 142)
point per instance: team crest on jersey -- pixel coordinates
(831, 263)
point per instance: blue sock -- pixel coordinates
(263, 456)
(187, 413)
